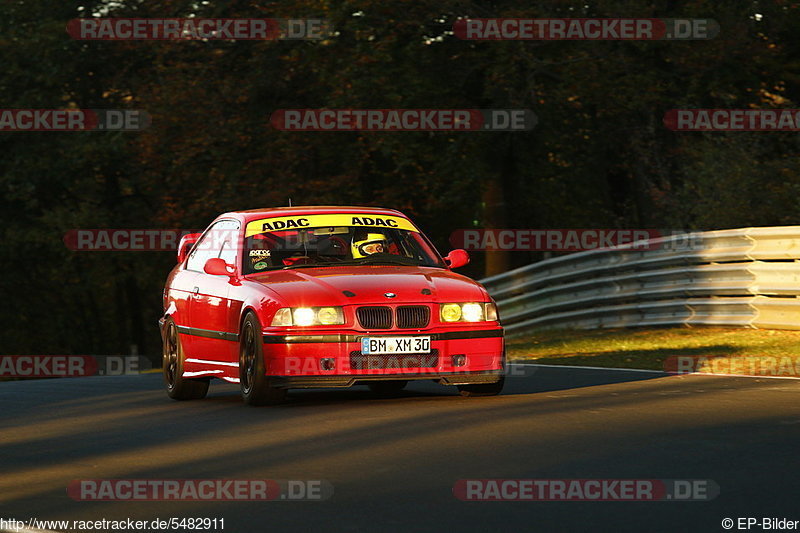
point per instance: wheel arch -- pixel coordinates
(245, 310)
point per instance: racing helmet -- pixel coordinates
(369, 244)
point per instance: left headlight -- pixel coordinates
(308, 316)
(468, 312)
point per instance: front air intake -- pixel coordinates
(376, 317)
(413, 316)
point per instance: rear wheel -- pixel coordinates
(386, 388)
(482, 389)
(178, 387)
(253, 381)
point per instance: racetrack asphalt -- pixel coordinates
(393, 462)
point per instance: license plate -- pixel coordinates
(389, 345)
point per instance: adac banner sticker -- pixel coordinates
(356, 220)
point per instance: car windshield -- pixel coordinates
(336, 246)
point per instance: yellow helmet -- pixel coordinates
(373, 243)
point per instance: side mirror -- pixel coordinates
(457, 258)
(218, 267)
(187, 241)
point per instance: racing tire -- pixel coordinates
(387, 388)
(178, 387)
(482, 389)
(253, 381)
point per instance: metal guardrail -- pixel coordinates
(746, 277)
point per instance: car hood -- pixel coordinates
(369, 285)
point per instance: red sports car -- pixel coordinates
(306, 297)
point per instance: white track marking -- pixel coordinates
(655, 371)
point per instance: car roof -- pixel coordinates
(255, 214)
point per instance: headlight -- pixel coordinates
(451, 312)
(330, 315)
(308, 316)
(468, 312)
(303, 316)
(491, 312)
(283, 317)
(472, 312)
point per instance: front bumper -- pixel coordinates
(458, 356)
(343, 381)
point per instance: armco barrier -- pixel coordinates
(746, 277)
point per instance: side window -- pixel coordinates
(221, 235)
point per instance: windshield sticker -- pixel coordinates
(358, 220)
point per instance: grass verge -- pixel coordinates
(648, 348)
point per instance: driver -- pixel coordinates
(369, 244)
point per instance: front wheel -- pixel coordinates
(253, 380)
(482, 389)
(178, 387)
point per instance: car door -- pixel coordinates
(213, 338)
(179, 294)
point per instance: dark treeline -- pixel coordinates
(600, 156)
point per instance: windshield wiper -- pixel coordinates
(364, 261)
(391, 259)
(388, 262)
(384, 261)
(309, 265)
